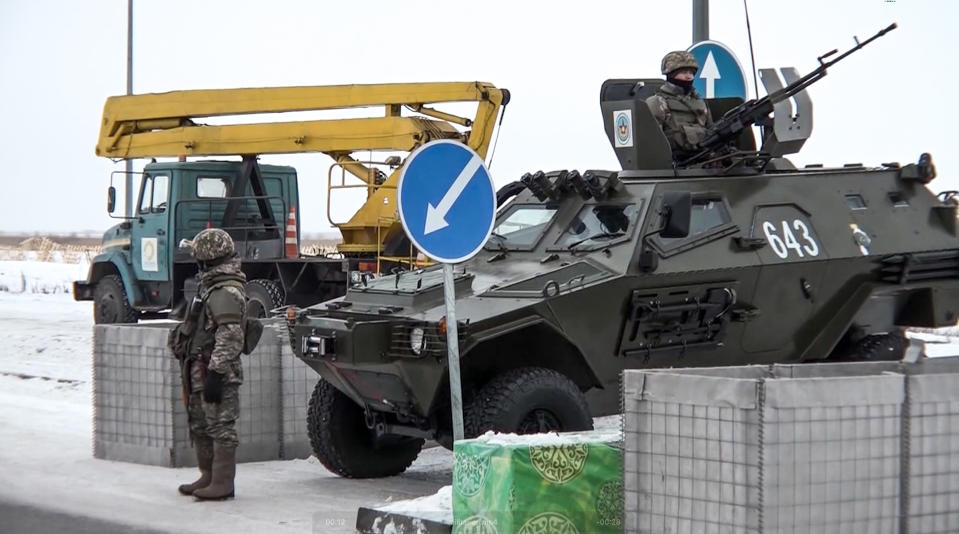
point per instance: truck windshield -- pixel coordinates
(598, 224)
(523, 226)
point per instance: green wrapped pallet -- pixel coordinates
(565, 483)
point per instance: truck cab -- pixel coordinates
(144, 272)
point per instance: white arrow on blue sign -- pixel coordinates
(720, 75)
(447, 201)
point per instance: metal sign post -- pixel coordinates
(447, 204)
(452, 341)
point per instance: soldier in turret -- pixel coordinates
(678, 108)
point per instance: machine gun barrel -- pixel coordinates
(754, 111)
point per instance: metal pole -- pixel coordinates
(700, 20)
(129, 162)
(452, 341)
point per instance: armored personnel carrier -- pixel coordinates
(734, 257)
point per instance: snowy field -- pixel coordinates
(46, 442)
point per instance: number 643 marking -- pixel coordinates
(782, 246)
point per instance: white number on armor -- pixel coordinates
(812, 248)
(783, 245)
(790, 240)
(777, 244)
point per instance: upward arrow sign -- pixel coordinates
(710, 73)
(436, 215)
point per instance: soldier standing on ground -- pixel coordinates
(210, 342)
(678, 108)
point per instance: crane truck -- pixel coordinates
(143, 272)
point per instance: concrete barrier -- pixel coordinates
(138, 405)
(861, 447)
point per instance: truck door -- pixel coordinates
(150, 242)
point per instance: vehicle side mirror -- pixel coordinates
(111, 199)
(677, 207)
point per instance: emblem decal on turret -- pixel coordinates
(623, 126)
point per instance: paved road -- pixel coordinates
(17, 518)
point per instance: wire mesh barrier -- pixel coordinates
(845, 448)
(932, 447)
(139, 414)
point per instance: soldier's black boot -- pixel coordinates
(204, 460)
(224, 470)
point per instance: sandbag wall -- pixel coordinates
(864, 447)
(138, 411)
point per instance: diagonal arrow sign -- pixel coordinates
(436, 215)
(710, 73)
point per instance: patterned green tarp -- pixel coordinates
(546, 484)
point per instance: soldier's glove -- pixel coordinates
(213, 387)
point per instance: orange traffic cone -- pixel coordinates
(292, 242)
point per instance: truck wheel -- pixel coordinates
(528, 400)
(344, 445)
(262, 296)
(110, 305)
(881, 347)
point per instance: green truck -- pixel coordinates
(144, 272)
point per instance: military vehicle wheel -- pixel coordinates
(344, 445)
(110, 304)
(881, 347)
(262, 296)
(528, 401)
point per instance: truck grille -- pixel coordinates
(434, 341)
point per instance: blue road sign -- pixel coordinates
(720, 75)
(446, 200)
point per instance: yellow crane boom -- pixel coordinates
(168, 124)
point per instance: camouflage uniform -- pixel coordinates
(221, 321)
(215, 372)
(682, 113)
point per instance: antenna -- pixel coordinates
(752, 58)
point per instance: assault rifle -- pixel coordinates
(755, 111)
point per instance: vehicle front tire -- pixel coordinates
(528, 400)
(110, 304)
(262, 296)
(342, 442)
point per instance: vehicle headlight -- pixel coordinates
(416, 340)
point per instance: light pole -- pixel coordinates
(700, 20)
(129, 162)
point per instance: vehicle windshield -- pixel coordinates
(522, 228)
(598, 224)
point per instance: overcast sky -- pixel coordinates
(59, 60)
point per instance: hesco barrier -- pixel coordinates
(564, 483)
(138, 412)
(855, 447)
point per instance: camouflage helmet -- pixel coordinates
(212, 244)
(679, 59)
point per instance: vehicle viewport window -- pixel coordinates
(208, 187)
(599, 223)
(705, 215)
(855, 202)
(161, 192)
(524, 226)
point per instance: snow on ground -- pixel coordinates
(40, 277)
(437, 507)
